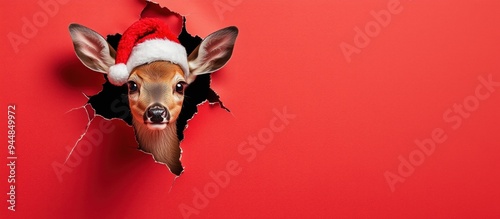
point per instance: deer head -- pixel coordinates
(156, 69)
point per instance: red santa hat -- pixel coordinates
(146, 41)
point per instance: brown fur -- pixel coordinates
(156, 83)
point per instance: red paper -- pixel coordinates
(329, 103)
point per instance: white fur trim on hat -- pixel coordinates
(118, 74)
(158, 50)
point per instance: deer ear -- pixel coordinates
(213, 52)
(92, 49)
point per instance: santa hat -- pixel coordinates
(146, 41)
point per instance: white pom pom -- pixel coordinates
(118, 74)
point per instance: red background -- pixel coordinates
(353, 119)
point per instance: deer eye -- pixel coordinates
(132, 87)
(180, 86)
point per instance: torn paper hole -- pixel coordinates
(150, 83)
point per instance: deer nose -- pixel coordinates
(156, 113)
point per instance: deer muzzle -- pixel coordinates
(156, 116)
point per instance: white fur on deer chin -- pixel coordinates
(156, 126)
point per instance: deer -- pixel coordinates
(156, 69)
